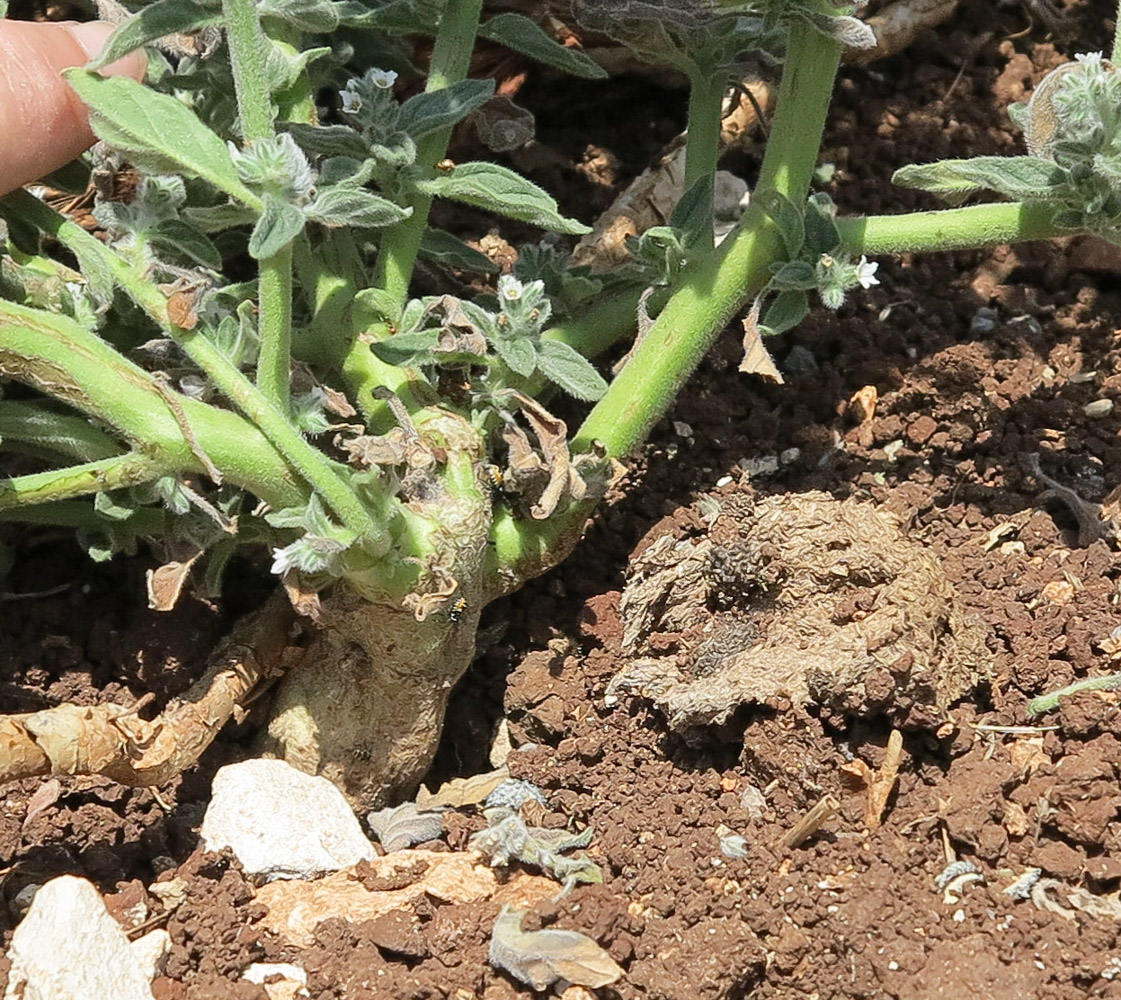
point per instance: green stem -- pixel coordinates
(148, 522)
(274, 363)
(247, 43)
(702, 149)
(951, 229)
(64, 433)
(56, 355)
(451, 56)
(715, 285)
(1049, 702)
(325, 477)
(94, 477)
(1116, 55)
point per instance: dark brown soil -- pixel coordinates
(964, 395)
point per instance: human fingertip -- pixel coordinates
(92, 36)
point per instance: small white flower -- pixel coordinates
(509, 288)
(384, 79)
(352, 102)
(866, 272)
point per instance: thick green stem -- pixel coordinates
(451, 56)
(78, 480)
(148, 522)
(274, 363)
(311, 463)
(63, 433)
(56, 355)
(247, 43)
(951, 229)
(706, 99)
(714, 286)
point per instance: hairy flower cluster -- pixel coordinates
(837, 275)
(275, 166)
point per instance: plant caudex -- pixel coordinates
(240, 361)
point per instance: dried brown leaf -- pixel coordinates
(541, 958)
(165, 583)
(757, 359)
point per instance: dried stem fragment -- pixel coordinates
(809, 824)
(879, 791)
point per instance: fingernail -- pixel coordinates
(92, 36)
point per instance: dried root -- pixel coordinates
(111, 740)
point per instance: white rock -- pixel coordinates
(68, 947)
(292, 985)
(282, 823)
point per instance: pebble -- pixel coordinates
(282, 823)
(69, 947)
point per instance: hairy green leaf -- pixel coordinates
(786, 215)
(517, 353)
(279, 224)
(408, 348)
(442, 247)
(164, 17)
(181, 236)
(351, 206)
(570, 370)
(794, 275)
(319, 16)
(1025, 178)
(330, 140)
(157, 133)
(429, 111)
(497, 189)
(523, 35)
(215, 218)
(787, 310)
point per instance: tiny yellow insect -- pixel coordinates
(446, 166)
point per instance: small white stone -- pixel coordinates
(1098, 408)
(68, 947)
(282, 823)
(723, 480)
(294, 983)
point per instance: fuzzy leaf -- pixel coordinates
(523, 35)
(491, 187)
(164, 17)
(430, 111)
(156, 133)
(692, 215)
(408, 348)
(442, 247)
(794, 275)
(517, 352)
(330, 140)
(215, 218)
(787, 310)
(570, 370)
(787, 216)
(351, 206)
(186, 239)
(279, 224)
(1025, 178)
(308, 15)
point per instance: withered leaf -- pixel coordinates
(757, 359)
(165, 583)
(541, 958)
